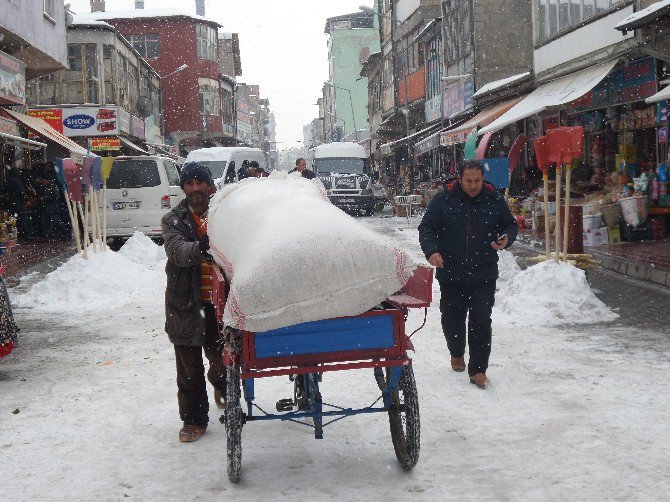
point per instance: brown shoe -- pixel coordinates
(190, 433)
(458, 363)
(480, 380)
(220, 399)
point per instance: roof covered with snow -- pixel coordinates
(640, 18)
(499, 84)
(79, 21)
(217, 153)
(144, 14)
(344, 149)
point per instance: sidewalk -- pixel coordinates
(647, 261)
(33, 253)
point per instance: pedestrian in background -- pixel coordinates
(464, 227)
(190, 320)
(301, 167)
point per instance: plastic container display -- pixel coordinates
(635, 210)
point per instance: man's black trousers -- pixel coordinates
(459, 301)
(191, 385)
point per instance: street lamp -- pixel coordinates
(351, 103)
(181, 68)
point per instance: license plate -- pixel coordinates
(349, 201)
(126, 205)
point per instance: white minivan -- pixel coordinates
(224, 162)
(140, 190)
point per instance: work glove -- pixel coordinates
(203, 243)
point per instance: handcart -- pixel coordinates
(375, 339)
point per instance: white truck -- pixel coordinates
(344, 170)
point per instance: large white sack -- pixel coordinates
(292, 257)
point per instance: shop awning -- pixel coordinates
(644, 16)
(40, 127)
(460, 133)
(393, 144)
(19, 141)
(554, 93)
(133, 146)
(659, 96)
(427, 144)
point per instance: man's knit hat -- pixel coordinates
(195, 171)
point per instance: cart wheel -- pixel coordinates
(234, 425)
(380, 378)
(404, 420)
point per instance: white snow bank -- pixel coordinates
(105, 281)
(508, 268)
(549, 294)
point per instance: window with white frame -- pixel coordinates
(209, 96)
(557, 16)
(207, 40)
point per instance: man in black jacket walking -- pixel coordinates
(461, 233)
(190, 320)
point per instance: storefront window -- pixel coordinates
(207, 41)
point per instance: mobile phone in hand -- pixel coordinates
(501, 238)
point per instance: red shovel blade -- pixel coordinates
(541, 147)
(577, 140)
(72, 173)
(560, 145)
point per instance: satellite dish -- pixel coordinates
(144, 107)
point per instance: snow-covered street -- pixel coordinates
(88, 407)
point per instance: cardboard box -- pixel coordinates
(596, 237)
(614, 234)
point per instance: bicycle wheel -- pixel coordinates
(404, 420)
(234, 425)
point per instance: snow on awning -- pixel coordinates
(498, 84)
(460, 133)
(46, 131)
(554, 93)
(393, 144)
(132, 145)
(659, 96)
(644, 16)
(22, 142)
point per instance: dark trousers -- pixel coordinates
(191, 385)
(459, 301)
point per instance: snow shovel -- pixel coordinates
(96, 182)
(541, 147)
(86, 180)
(105, 171)
(72, 173)
(560, 144)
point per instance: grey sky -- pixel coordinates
(282, 44)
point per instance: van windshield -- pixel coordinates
(134, 173)
(216, 167)
(341, 165)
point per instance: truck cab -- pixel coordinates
(344, 170)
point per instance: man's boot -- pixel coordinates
(480, 380)
(458, 363)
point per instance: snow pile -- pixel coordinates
(105, 281)
(508, 268)
(293, 257)
(549, 294)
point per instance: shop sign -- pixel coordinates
(433, 109)
(12, 80)
(137, 128)
(98, 144)
(427, 145)
(90, 121)
(9, 127)
(662, 111)
(123, 120)
(52, 116)
(457, 97)
(633, 82)
(456, 138)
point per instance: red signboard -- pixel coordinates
(98, 144)
(52, 116)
